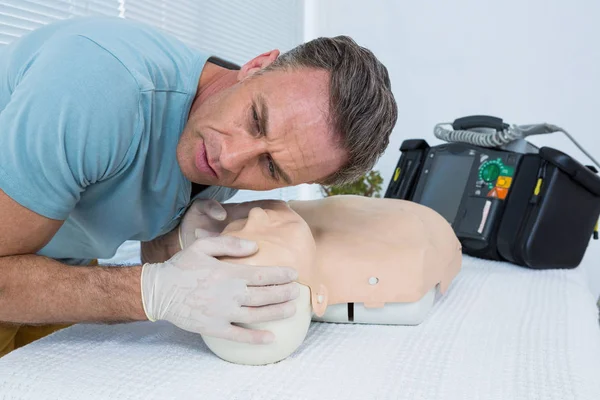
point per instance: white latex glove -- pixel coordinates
(204, 218)
(198, 293)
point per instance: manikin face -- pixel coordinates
(262, 132)
(283, 238)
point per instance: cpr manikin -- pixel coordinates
(361, 260)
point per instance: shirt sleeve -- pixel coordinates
(70, 122)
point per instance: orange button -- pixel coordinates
(504, 182)
(501, 192)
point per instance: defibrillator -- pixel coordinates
(505, 198)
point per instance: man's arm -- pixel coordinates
(160, 249)
(35, 289)
(183, 291)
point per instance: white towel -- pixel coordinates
(502, 332)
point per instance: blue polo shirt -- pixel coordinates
(91, 111)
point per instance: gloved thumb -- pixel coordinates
(216, 211)
(200, 233)
(221, 246)
(209, 207)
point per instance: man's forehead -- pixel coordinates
(297, 84)
(299, 119)
(297, 99)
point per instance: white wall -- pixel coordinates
(526, 61)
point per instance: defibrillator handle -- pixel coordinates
(479, 121)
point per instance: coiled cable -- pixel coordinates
(502, 137)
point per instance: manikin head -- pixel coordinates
(322, 112)
(284, 239)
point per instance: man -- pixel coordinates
(109, 130)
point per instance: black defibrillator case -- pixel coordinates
(537, 210)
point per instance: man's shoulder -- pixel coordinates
(156, 59)
(106, 31)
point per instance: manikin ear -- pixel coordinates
(257, 63)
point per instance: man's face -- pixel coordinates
(261, 133)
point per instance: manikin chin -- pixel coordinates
(360, 260)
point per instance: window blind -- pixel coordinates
(18, 17)
(235, 30)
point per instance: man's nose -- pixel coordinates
(241, 151)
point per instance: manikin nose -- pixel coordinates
(258, 215)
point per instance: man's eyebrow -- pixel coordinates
(263, 115)
(263, 122)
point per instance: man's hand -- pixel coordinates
(204, 218)
(208, 218)
(198, 293)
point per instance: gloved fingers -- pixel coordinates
(200, 233)
(208, 215)
(238, 210)
(273, 312)
(220, 246)
(241, 210)
(257, 296)
(245, 335)
(184, 238)
(215, 210)
(261, 276)
(209, 207)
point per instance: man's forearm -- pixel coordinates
(36, 290)
(160, 249)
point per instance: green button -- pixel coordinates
(490, 172)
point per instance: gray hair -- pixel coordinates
(363, 110)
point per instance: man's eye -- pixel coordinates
(271, 167)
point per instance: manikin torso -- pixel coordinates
(347, 249)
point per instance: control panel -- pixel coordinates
(494, 177)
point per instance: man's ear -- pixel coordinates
(257, 63)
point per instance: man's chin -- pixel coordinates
(193, 175)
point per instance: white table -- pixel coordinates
(502, 332)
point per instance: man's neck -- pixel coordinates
(196, 189)
(216, 76)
